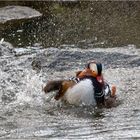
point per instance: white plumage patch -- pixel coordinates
(93, 67)
(81, 93)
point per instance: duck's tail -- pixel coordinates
(52, 86)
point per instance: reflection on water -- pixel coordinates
(85, 24)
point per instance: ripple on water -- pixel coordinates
(33, 115)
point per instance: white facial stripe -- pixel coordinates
(93, 67)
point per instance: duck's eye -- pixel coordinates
(93, 67)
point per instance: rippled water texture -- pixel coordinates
(27, 113)
(56, 45)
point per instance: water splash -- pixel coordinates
(26, 112)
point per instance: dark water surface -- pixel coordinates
(79, 24)
(56, 46)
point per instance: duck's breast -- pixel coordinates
(81, 93)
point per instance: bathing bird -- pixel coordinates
(87, 88)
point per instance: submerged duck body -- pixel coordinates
(87, 91)
(87, 88)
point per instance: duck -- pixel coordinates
(87, 88)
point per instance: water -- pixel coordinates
(27, 113)
(79, 24)
(54, 47)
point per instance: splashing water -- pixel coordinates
(27, 113)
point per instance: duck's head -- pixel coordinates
(95, 67)
(92, 69)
